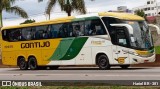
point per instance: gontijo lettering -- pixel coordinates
(35, 45)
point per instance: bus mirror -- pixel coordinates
(154, 26)
(129, 27)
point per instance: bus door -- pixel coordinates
(120, 50)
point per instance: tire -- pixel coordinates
(103, 62)
(124, 66)
(23, 65)
(53, 67)
(32, 63)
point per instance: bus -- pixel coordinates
(102, 39)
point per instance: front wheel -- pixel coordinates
(103, 62)
(32, 63)
(124, 66)
(22, 64)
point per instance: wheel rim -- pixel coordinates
(32, 64)
(22, 64)
(103, 62)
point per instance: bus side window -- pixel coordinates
(87, 28)
(41, 32)
(50, 31)
(82, 28)
(37, 35)
(113, 36)
(61, 33)
(33, 32)
(78, 28)
(5, 35)
(94, 27)
(63, 30)
(70, 30)
(108, 21)
(55, 30)
(15, 35)
(97, 28)
(55, 33)
(27, 34)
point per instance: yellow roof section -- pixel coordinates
(55, 21)
(124, 16)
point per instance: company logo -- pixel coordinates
(35, 45)
(6, 83)
(121, 60)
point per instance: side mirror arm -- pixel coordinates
(130, 28)
(155, 26)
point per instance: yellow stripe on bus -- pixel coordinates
(42, 54)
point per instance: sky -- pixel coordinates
(36, 10)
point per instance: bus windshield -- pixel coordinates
(142, 35)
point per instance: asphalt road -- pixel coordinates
(81, 73)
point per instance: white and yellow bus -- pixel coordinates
(104, 39)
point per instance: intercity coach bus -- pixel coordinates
(103, 39)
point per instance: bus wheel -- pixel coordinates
(22, 64)
(53, 67)
(32, 63)
(103, 62)
(124, 66)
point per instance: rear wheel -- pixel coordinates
(103, 62)
(124, 66)
(23, 65)
(53, 67)
(32, 63)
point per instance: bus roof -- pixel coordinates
(123, 16)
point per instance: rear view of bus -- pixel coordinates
(102, 39)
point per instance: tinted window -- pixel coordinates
(14, 35)
(118, 34)
(27, 34)
(108, 21)
(76, 29)
(121, 37)
(94, 27)
(62, 31)
(41, 32)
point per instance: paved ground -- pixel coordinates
(141, 73)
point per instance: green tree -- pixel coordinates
(28, 21)
(140, 13)
(67, 5)
(6, 5)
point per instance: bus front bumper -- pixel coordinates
(139, 59)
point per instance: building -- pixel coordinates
(151, 8)
(122, 9)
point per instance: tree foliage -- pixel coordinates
(28, 21)
(140, 13)
(7, 5)
(67, 5)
